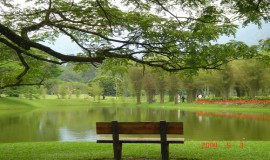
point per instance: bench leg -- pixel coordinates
(165, 151)
(117, 149)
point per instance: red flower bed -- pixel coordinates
(251, 101)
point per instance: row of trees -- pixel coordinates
(242, 78)
(245, 78)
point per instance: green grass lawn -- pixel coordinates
(54, 103)
(191, 150)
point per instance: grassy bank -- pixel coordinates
(91, 150)
(74, 103)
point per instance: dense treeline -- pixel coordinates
(242, 78)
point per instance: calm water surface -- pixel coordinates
(79, 125)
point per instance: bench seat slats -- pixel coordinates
(141, 140)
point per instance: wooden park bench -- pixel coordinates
(162, 128)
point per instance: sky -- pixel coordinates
(250, 35)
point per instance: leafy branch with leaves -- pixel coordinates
(174, 35)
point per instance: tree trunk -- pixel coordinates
(191, 95)
(171, 97)
(138, 97)
(217, 93)
(162, 95)
(253, 92)
(150, 97)
(226, 92)
(238, 91)
(176, 98)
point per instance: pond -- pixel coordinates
(79, 124)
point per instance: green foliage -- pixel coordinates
(135, 77)
(29, 92)
(249, 11)
(150, 82)
(110, 85)
(80, 72)
(67, 89)
(12, 92)
(30, 71)
(42, 91)
(244, 78)
(115, 66)
(173, 35)
(265, 44)
(62, 91)
(95, 90)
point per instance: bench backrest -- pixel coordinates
(139, 127)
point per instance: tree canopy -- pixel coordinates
(173, 35)
(17, 70)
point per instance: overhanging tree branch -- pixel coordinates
(144, 36)
(22, 84)
(18, 49)
(26, 68)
